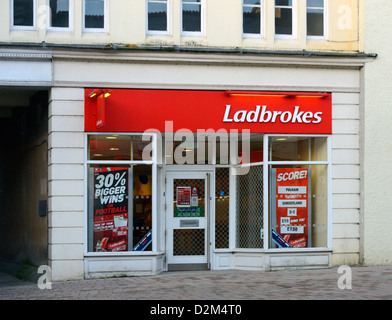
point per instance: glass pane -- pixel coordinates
(222, 193)
(157, 16)
(59, 13)
(191, 17)
(250, 207)
(118, 147)
(315, 3)
(251, 20)
(283, 21)
(283, 2)
(315, 22)
(23, 13)
(254, 146)
(298, 149)
(298, 206)
(142, 207)
(94, 14)
(189, 198)
(251, 1)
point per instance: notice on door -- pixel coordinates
(183, 197)
(292, 205)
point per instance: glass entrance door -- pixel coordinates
(187, 214)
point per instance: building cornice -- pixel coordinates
(183, 55)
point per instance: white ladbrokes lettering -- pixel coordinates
(261, 114)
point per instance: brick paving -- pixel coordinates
(370, 283)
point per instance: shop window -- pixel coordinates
(252, 18)
(249, 210)
(95, 15)
(118, 147)
(158, 16)
(23, 14)
(59, 14)
(285, 21)
(315, 19)
(298, 182)
(120, 208)
(297, 149)
(119, 195)
(213, 148)
(222, 207)
(192, 17)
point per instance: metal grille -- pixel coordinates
(188, 242)
(250, 208)
(222, 207)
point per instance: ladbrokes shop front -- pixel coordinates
(166, 161)
(197, 180)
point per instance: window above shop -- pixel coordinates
(95, 16)
(285, 19)
(253, 18)
(23, 14)
(60, 15)
(158, 16)
(193, 17)
(316, 22)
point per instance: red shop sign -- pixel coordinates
(134, 110)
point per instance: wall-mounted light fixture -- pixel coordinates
(100, 95)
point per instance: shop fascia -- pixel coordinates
(196, 116)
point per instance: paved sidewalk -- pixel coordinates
(372, 283)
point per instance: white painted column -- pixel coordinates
(66, 183)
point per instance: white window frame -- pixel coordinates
(70, 18)
(105, 28)
(169, 14)
(266, 177)
(108, 163)
(202, 32)
(262, 21)
(325, 22)
(294, 11)
(23, 28)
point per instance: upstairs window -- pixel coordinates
(252, 18)
(192, 17)
(95, 15)
(285, 20)
(59, 15)
(158, 16)
(315, 19)
(23, 13)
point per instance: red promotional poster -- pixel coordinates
(110, 209)
(183, 196)
(292, 206)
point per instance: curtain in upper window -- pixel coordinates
(157, 15)
(192, 15)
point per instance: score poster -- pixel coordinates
(110, 209)
(293, 206)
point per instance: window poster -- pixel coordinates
(292, 207)
(110, 209)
